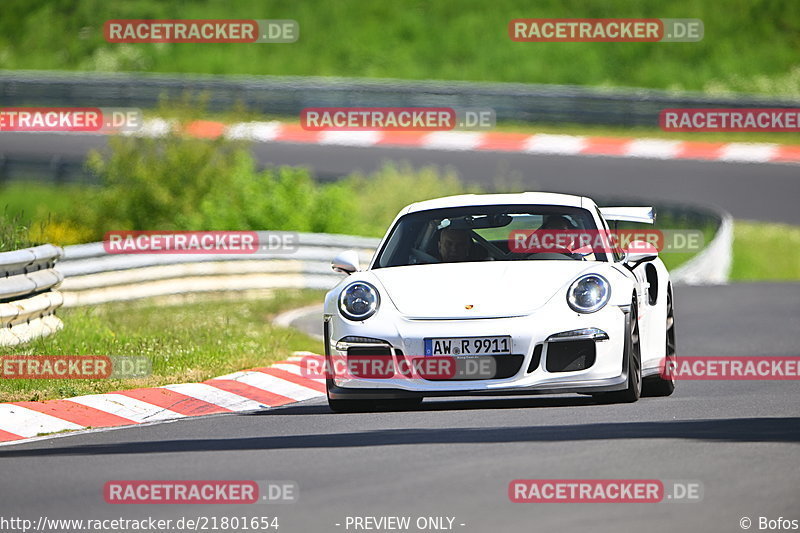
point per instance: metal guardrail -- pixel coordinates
(47, 168)
(28, 295)
(281, 95)
(713, 264)
(93, 276)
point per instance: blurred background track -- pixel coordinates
(747, 190)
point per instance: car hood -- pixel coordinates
(493, 289)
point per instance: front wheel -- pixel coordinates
(632, 353)
(348, 405)
(658, 385)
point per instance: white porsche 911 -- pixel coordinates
(482, 283)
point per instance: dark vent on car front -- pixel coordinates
(570, 356)
(536, 359)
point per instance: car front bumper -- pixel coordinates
(406, 336)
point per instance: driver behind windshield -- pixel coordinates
(454, 245)
(557, 222)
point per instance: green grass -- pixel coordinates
(30, 200)
(749, 45)
(14, 233)
(765, 252)
(673, 260)
(37, 213)
(185, 343)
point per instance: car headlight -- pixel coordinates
(359, 301)
(588, 293)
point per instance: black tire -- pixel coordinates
(633, 354)
(657, 386)
(348, 405)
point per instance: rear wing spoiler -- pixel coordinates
(645, 215)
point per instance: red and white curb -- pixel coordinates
(495, 141)
(490, 141)
(279, 384)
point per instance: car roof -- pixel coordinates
(523, 198)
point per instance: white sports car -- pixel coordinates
(483, 284)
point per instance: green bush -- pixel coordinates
(183, 184)
(160, 183)
(377, 198)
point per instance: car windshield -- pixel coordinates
(487, 233)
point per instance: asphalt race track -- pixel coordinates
(749, 191)
(456, 457)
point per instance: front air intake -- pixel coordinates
(535, 359)
(569, 356)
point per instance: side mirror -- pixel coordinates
(346, 262)
(640, 252)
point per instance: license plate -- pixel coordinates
(500, 345)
